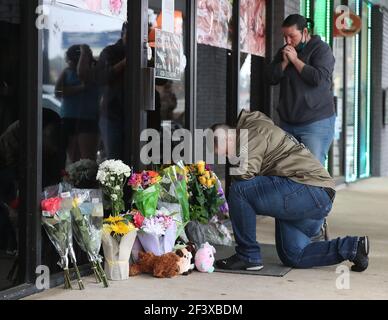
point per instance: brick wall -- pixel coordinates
(384, 84)
(10, 11)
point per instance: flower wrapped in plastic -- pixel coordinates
(112, 175)
(208, 207)
(82, 174)
(87, 220)
(57, 222)
(174, 196)
(146, 191)
(118, 237)
(157, 234)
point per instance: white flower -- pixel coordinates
(115, 168)
(117, 188)
(114, 197)
(152, 227)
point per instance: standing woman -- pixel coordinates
(79, 108)
(304, 67)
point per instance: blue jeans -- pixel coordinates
(316, 136)
(299, 211)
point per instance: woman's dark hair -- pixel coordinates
(73, 53)
(124, 28)
(299, 21)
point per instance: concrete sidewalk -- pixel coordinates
(361, 208)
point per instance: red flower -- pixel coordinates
(51, 205)
(138, 219)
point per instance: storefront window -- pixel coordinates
(352, 54)
(167, 44)
(84, 90)
(338, 82)
(10, 147)
(245, 82)
(364, 118)
(253, 51)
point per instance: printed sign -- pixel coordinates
(168, 48)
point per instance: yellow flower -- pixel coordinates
(201, 167)
(113, 219)
(207, 174)
(76, 202)
(122, 228)
(202, 180)
(209, 183)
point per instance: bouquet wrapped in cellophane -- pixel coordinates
(87, 222)
(174, 196)
(146, 193)
(156, 234)
(57, 222)
(119, 233)
(208, 207)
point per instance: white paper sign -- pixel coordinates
(168, 8)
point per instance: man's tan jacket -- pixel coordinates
(270, 151)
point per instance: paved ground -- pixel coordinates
(362, 208)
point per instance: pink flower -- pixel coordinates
(115, 6)
(51, 205)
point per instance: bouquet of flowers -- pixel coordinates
(146, 191)
(112, 175)
(157, 234)
(205, 197)
(56, 220)
(118, 233)
(81, 174)
(174, 195)
(118, 237)
(87, 214)
(208, 207)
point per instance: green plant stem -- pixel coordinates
(96, 272)
(67, 281)
(80, 282)
(102, 275)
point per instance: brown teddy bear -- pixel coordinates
(164, 266)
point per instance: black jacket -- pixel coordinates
(308, 96)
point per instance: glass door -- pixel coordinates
(11, 142)
(84, 93)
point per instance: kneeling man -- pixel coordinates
(283, 180)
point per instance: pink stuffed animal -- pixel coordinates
(204, 258)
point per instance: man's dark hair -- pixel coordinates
(299, 21)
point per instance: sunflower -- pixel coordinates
(112, 219)
(122, 228)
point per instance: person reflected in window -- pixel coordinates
(79, 108)
(111, 76)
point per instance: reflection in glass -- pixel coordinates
(10, 144)
(245, 82)
(84, 59)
